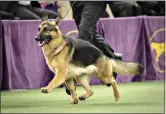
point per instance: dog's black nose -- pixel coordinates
(37, 38)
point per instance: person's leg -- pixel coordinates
(6, 15)
(77, 11)
(24, 13)
(91, 13)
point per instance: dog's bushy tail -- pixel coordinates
(126, 68)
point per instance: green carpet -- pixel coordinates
(138, 97)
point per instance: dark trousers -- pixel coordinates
(86, 15)
(24, 12)
(29, 12)
(6, 15)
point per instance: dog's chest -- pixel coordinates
(50, 66)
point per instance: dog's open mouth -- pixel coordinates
(41, 44)
(43, 39)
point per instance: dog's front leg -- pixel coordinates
(56, 81)
(70, 85)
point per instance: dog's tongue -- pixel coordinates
(41, 44)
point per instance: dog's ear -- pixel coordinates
(57, 20)
(44, 17)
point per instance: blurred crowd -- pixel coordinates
(26, 10)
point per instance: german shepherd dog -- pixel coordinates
(72, 58)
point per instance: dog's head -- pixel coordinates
(47, 30)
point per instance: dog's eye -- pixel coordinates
(44, 28)
(38, 29)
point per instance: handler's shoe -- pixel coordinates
(118, 56)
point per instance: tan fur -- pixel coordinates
(66, 71)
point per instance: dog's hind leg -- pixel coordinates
(111, 80)
(115, 89)
(84, 81)
(105, 70)
(70, 85)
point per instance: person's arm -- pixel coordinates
(63, 7)
(109, 12)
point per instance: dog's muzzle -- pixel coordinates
(43, 39)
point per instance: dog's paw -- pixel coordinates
(75, 101)
(45, 90)
(81, 98)
(85, 96)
